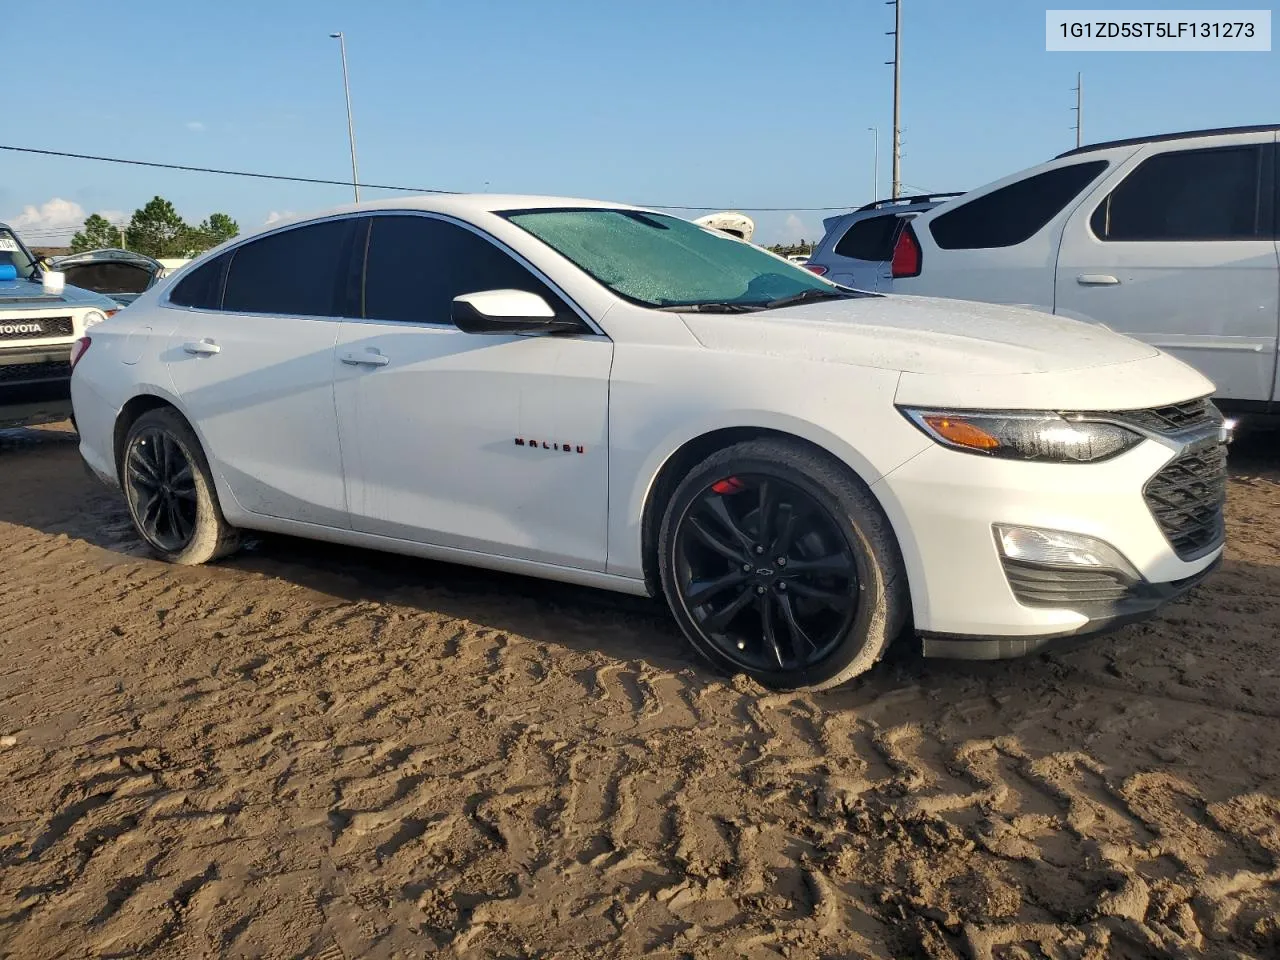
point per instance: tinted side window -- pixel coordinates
(870, 239)
(202, 287)
(416, 265)
(298, 271)
(1013, 213)
(1187, 195)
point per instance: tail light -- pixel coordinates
(907, 255)
(817, 268)
(78, 350)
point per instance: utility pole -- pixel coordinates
(123, 245)
(896, 62)
(351, 130)
(875, 167)
(1079, 108)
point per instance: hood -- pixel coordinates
(922, 335)
(107, 255)
(30, 295)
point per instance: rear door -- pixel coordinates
(1275, 229)
(860, 258)
(1000, 245)
(1178, 248)
(252, 360)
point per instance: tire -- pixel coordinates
(195, 531)
(844, 532)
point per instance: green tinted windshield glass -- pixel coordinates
(664, 261)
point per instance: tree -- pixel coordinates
(157, 231)
(221, 227)
(96, 234)
(211, 232)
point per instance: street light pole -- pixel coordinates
(875, 167)
(897, 97)
(351, 130)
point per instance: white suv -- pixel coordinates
(1170, 239)
(857, 247)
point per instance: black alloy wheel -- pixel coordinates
(161, 487)
(766, 573)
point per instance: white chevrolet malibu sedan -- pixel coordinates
(615, 397)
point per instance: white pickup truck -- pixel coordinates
(40, 318)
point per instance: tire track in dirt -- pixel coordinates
(341, 755)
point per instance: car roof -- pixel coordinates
(901, 202)
(1161, 137)
(463, 205)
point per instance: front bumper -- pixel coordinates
(1137, 603)
(942, 505)
(34, 385)
(30, 366)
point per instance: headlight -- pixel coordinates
(92, 318)
(1024, 436)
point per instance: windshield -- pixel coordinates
(666, 262)
(12, 253)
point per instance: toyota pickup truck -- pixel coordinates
(40, 318)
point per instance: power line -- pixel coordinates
(230, 173)
(369, 186)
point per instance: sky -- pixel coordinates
(728, 104)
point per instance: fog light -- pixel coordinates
(1056, 548)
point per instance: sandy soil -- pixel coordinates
(313, 752)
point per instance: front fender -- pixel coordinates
(661, 405)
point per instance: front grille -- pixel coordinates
(45, 327)
(1035, 586)
(34, 372)
(1187, 498)
(1171, 419)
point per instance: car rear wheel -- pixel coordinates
(777, 562)
(170, 491)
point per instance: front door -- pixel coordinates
(492, 444)
(1179, 251)
(254, 369)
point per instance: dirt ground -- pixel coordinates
(309, 751)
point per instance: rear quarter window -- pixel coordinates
(1014, 213)
(870, 239)
(201, 288)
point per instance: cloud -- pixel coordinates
(276, 215)
(195, 126)
(53, 222)
(794, 230)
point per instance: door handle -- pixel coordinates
(368, 358)
(1097, 280)
(201, 348)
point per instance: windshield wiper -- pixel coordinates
(723, 307)
(802, 297)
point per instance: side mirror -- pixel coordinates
(508, 311)
(54, 282)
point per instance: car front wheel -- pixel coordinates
(170, 491)
(778, 562)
